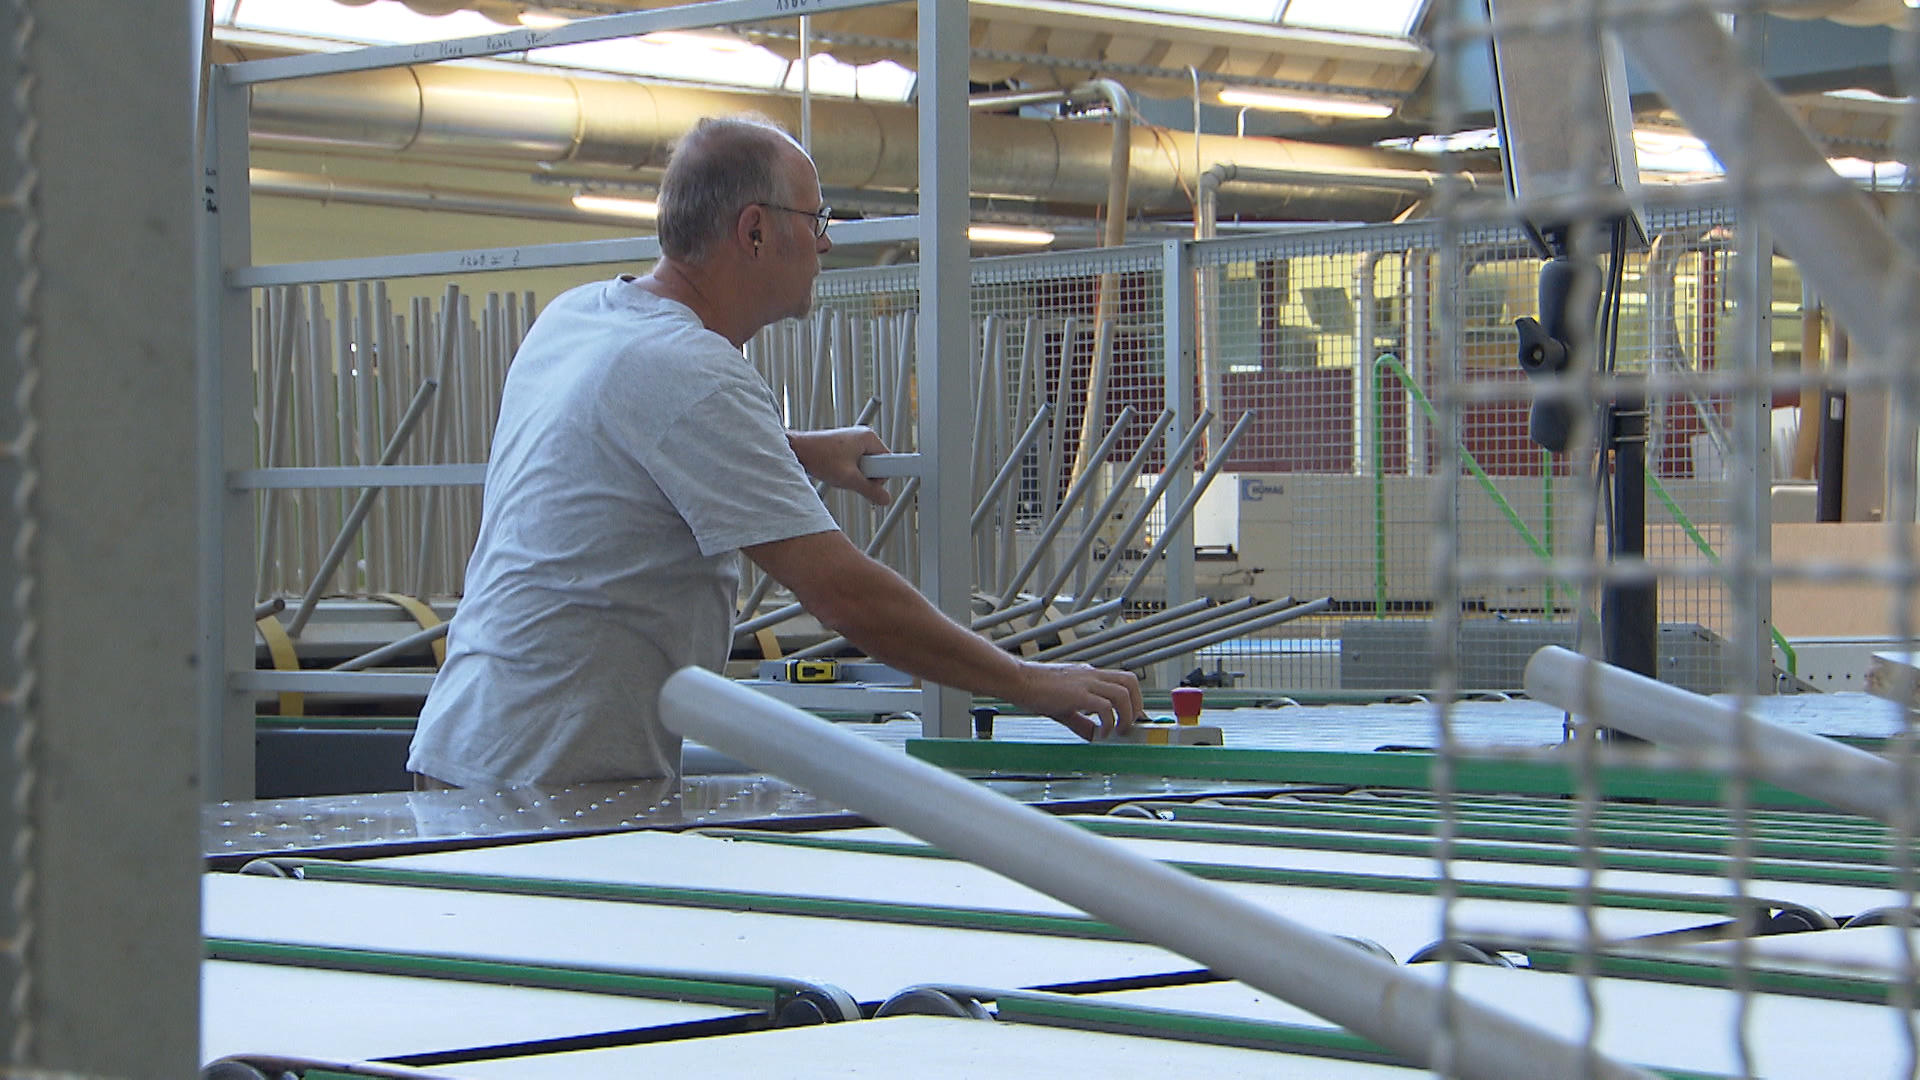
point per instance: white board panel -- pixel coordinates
(352, 1016)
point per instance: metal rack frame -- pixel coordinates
(227, 478)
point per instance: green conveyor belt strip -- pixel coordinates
(1470, 851)
(1414, 797)
(1193, 1027)
(1689, 903)
(1370, 769)
(1202, 1027)
(338, 723)
(1562, 817)
(1696, 865)
(1694, 819)
(1853, 988)
(1009, 922)
(1848, 853)
(539, 976)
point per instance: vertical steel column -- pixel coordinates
(99, 771)
(1751, 471)
(225, 387)
(944, 341)
(1178, 334)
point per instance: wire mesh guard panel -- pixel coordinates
(1063, 349)
(1343, 345)
(1349, 344)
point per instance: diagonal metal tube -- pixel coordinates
(1010, 466)
(1185, 509)
(395, 648)
(1053, 625)
(1182, 454)
(401, 433)
(1121, 484)
(981, 623)
(1191, 613)
(1074, 494)
(1218, 619)
(1237, 629)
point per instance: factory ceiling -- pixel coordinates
(1167, 64)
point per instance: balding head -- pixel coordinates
(720, 167)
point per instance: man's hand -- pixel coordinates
(1091, 702)
(833, 456)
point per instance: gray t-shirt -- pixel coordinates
(636, 453)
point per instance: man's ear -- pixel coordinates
(749, 224)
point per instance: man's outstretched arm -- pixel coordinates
(833, 456)
(882, 613)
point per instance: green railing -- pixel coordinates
(1544, 550)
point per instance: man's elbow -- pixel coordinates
(842, 615)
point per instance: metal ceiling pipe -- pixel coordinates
(327, 189)
(514, 117)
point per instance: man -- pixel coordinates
(637, 454)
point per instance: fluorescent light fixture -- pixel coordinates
(536, 19)
(1475, 139)
(1008, 234)
(1301, 103)
(607, 204)
(1876, 173)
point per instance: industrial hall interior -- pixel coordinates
(959, 538)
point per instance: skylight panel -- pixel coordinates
(692, 57)
(1389, 18)
(1259, 11)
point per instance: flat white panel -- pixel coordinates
(871, 961)
(1839, 901)
(351, 1016)
(1648, 1023)
(1402, 924)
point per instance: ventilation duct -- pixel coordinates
(473, 113)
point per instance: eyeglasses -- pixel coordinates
(819, 216)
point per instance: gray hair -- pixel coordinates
(722, 166)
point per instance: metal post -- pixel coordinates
(1179, 333)
(225, 386)
(945, 551)
(1752, 470)
(99, 940)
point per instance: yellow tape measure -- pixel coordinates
(812, 671)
